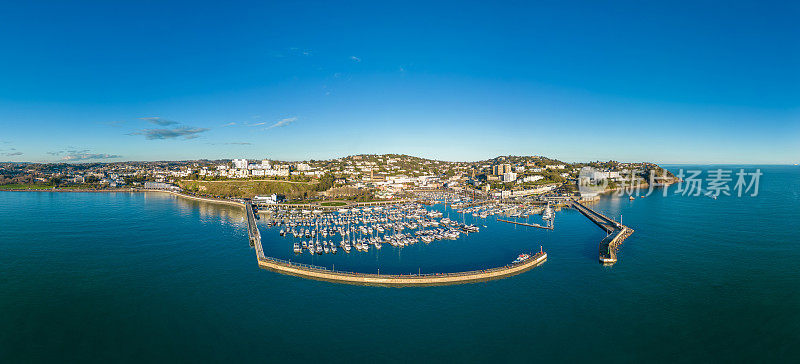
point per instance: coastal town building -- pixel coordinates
(500, 169)
(509, 177)
(160, 186)
(240, 163)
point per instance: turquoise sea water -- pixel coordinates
(149, 277)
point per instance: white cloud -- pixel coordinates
(185, 132)
(282, 123)
(87, 156)
(354, 58)
(159, 121)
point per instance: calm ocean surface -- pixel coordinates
(119, 277)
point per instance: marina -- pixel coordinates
(360, 230)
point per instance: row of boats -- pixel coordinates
(363, 229)
(508, 210)
(363, 244)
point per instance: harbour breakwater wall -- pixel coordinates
(617, 233)
(401, 280)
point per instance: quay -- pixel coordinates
(617, 233)
(527, 224)
(400, 280)
(253, 232)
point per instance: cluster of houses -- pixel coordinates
(387, 175)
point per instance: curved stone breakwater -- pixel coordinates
(401, 280)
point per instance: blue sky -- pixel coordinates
(671, 82)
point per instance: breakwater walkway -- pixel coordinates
(527, 224)
(617, 233)
(400, 280)
(253, 232)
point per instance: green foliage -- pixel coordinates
(325, 182)
(334, 203)
(26, 186)
(248, 189)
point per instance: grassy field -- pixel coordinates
(335, 203)
(249, 189)
(19, 186)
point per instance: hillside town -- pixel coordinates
(374, 177)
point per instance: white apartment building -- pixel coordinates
(240, 163)
(509, 177)
(532, 178)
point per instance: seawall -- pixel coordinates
(402, 280)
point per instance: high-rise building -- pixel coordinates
(500, 169)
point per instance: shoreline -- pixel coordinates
(131, 190)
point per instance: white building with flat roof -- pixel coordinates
(533, 178)
(240, 163)
(509, 177)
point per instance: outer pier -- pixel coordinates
(526, 224)
(253, 232)
(433, 279)
(617, 233)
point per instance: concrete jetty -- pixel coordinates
(527, 224)
(617, 233)
(253, 232)
(401, 280)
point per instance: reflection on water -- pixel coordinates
(207, 211)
